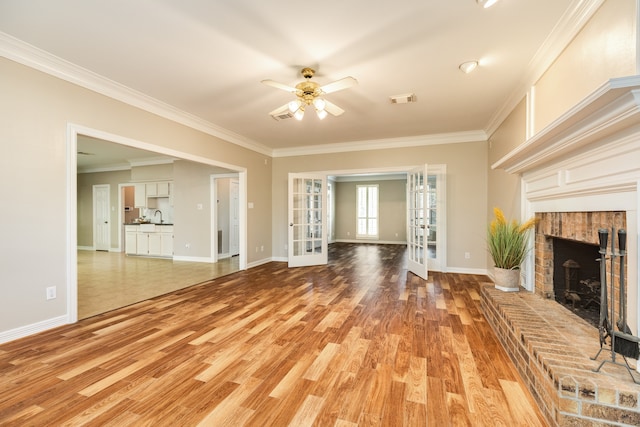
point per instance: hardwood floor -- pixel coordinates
(357, 342)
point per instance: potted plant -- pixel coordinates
(508, 245)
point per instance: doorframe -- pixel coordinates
(213, 185)
(438, 169)
(73, 130)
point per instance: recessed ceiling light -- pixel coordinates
(486, 3)
(469, 66)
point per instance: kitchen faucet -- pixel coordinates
(158, 211)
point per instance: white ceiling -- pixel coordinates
(207, 58)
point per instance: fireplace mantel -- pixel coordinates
(611, 109)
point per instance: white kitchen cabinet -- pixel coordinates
(155, 246)
(166, 241)
(140, 196)
(149, 240)
(142, 243)
(152, 189)
(130, 237)
(163, 189)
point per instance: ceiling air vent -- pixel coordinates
(282, 116)
(403, 99)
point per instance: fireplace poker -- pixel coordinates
(604, 327)
(622, 343)
(625, 343)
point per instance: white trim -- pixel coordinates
(383, 144)
(259, 262)
(372, 241)
(213, 217)
(72, 224)
(203, 259)
(34, 328)
(36, 58)
(31, 56)
(612, 107)
(73, 130)
(571, 23)
(479, 271)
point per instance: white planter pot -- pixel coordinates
(506, 280)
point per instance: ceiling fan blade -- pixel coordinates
(341, 84)
(280, 86)
(332, 108)
(280, 110)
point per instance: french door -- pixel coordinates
(417, 222)
(307, 212)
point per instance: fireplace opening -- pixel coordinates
(576, 278)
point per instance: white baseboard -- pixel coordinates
(378, 242)
(259, 262)
(34, 328)
(86, 248)
(280, 259)
(192, 259)
(467, 270)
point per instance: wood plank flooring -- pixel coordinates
(359, 342)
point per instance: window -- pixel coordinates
(367, 200)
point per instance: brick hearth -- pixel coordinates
(551, 348)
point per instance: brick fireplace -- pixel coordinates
(576, 227)
(579, 174)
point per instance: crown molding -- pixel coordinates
(382, 144)
(33, 57)
(570, 24)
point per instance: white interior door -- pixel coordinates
(101, 226)
(307, 242)
(234, 218)
(417, 228)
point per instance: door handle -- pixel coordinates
(422, 226)
(291, 225)
(106, 222)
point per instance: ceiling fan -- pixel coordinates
(309, 93)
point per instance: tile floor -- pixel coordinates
(109, 280)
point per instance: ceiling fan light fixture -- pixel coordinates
(321, 114)
(299, 114)
(294, 105)
(486, 3)
(469, 66)
(319, 103)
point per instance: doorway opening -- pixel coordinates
(74, 133)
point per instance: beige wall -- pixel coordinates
(466, 190)
(392, 214)
(36, 110)
(604, 49)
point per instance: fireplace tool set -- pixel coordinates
(622, 340)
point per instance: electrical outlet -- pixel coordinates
(348, 233)
(51, 292)
(261, 248)
(467, 255)
(187, 245)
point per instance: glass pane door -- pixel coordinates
(307, 220)
(417, 221)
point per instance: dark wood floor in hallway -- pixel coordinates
(359, 342)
